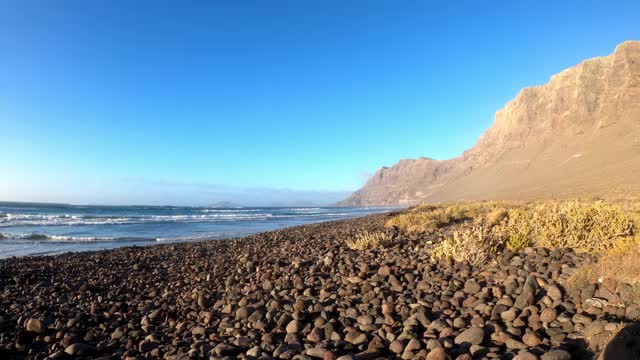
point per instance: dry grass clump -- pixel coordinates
(494, 217)
(419, 221)
(427, 218)
(368, 240)
(478, 228)
(620, 264)
(473, 245)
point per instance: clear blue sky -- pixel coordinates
(192, 102)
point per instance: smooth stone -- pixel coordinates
(36, 326)
(554, 293)
(413, 345)
(294, 327)
(515, 344)
(556, 355)
(531, 339)
(254, 351)
(548, 315)
(343, 357)
(472, 287)
(459, 323)
(243, 313)
(438, 354)
(78, 349)
(198, 330)
(147, 346)
(525, 355)
(433, 344)
(355, 338)
(117, 334)
(316, 352)
(396, 346)
(223, 349)
(471, 336)
(528, 294)
(509, 315)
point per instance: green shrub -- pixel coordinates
(480, 228)
(585, 227)
(517, 242)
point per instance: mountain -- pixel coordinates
(300, 203)
(224, 205)
(576, 136)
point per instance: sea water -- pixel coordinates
(44, 229)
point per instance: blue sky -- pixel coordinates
(192, 102)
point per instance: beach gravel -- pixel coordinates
(301, 293)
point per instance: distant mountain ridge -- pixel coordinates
(578, 135)
(224, 204)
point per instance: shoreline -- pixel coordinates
(51, 230)
(170, 242)
(300, 292)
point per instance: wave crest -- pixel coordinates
(53, 220)
(63, 238)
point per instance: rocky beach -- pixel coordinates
(302, 293)
(305, 180)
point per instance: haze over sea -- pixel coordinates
(45, 229)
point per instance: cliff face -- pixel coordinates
(577, 135)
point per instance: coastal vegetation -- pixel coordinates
(619, 264)
(368, 240)
(352, 289)
(476, 232)
(427, 218)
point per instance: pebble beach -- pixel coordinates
(302, 293)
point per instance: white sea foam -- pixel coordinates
(214, 210)
(69, 219)
(201, 237)
(44, 220)
(31, 230)
(35, 237)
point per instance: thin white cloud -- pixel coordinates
(170, 192)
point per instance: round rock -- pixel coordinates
(556, 355)
(438, 354)
(78, 349)
(471, 336)
(35, 326)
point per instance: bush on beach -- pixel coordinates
(368, 240)
(476, 231)
(472, 245)
(619, 264)
(584, 226)
(587, 227)
(427, 218)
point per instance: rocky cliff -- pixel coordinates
(576, 136)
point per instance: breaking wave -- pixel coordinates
(27, 229)
(52, 220)
(61, 238)
(206, 215)
(35, 237)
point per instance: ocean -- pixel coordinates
(45, 229)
